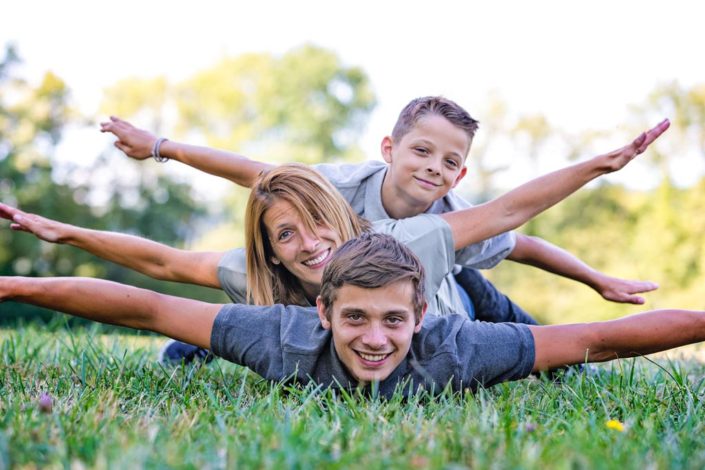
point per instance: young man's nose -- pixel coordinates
(374, 337)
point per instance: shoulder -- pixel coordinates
(350, 174)
(448, 203)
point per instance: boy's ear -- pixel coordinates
(417, 328)
(322, 313)
(460, 176)
(386, 148)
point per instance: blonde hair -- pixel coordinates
(317, 201)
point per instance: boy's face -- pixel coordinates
(372, 328)
(428, 162)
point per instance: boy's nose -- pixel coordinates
(434, 167)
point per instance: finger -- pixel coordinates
(122, 147)
(8, 212)
(656, 132)
(646, 286)
(19, 228)
(634, 299)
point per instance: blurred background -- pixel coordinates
(312, 81)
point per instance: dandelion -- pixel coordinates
(615, 425)
(45, 403)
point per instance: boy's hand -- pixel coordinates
(623, 290)
(617, 159)
(42, 228)
(135, 143)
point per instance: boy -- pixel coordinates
(367, 329)
(424, 160)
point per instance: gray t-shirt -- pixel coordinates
(427, 235)
(361, 185)
(289, 344)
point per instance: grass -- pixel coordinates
(113, 406)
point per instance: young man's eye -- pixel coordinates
(395, 320)
(354, 317)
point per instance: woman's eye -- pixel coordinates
(284, 235)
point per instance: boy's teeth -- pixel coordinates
(373, 357)
(317, 259)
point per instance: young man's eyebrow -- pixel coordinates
(348, 310)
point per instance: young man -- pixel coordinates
(424, 160)
(367, 329)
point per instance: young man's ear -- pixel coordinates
(419, 323)
(325, 323)
(460, 176)
(386, 148)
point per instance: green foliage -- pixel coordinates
(113, 406)
(32, 120)
(649, 235)
(301, 106)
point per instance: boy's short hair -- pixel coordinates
(370, 261)
(420, 107)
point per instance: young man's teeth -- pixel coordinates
(373, 357)
(317, 259)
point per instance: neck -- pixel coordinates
(397, 204)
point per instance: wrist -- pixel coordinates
(157, 150)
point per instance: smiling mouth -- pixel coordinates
(318, 259)
(426, 182)
(373, 357)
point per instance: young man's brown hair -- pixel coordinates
(385, 261)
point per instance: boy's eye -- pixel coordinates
(452, 163)
(421, 150)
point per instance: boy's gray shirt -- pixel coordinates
(361, 185)
(289, 344)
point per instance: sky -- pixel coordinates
(579, 63)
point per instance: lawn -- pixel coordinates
(95, 398)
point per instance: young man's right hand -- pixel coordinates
(135, 143)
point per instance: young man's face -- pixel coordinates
(428, 162)
(372, 328)
(302, 252)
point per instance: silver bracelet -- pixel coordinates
(155, 150)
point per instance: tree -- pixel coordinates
(32, 120)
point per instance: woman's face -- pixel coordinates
(302, 252)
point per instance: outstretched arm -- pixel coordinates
(511, 210)
(110, 302)
(145, 256)
(138, 143)
(635, 335)
(542, 254)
